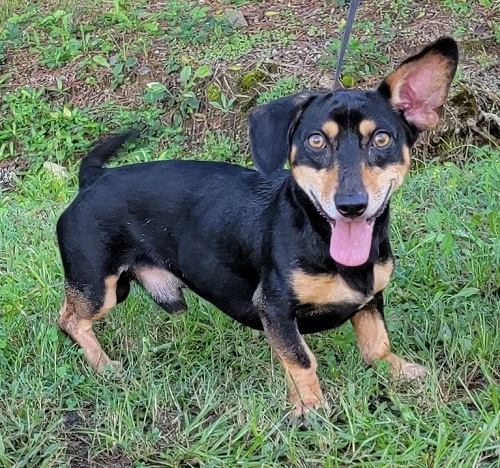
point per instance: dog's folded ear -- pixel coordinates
(419, 86)
(271, 127)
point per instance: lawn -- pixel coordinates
(197, 389)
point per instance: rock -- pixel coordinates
(326, 81)
(56, 169)
(6, 178)
(235, 18)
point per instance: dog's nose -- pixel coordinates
(351, 206)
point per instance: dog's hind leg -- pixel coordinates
(79, 312)
(373, 342)
(123, 286)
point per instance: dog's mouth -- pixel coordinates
(351, 240)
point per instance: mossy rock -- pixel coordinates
(465, 102)
(250, 81)
(214, 93)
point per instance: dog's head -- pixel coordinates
(350, 150)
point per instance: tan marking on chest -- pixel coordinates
(371, 335)
(382, 275)
(323, 289)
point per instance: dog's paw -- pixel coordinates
(405, 370)
(110, 368)
(302, 406)
(412, 371)
(312, 420)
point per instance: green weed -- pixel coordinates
(185, 100)
(365, 56)
(32, 126)
(282, 88)
(37, 130)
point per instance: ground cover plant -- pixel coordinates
(198, 390)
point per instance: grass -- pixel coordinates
(197, 389)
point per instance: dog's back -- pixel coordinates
(161, 223)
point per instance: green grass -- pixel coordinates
(197, 389)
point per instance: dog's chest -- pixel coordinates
(324, 293)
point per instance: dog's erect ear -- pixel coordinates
(271, 126)
(419, 86)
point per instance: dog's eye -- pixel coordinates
(316, 141)
(381, 139)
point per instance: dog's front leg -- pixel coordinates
(298, 360)
(373, 341)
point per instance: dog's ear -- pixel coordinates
(271, 127)
(419, 86)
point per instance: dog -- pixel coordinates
(289, 252)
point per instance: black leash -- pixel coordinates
(345, 39)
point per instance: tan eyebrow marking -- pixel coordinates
(367, 127)
(330, 129)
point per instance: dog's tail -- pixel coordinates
(92, 165)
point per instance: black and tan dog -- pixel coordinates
(289, 252)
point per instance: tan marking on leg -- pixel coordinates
(323, 289)
(371, 334)
(373, 342)
(367, 127)
(303, 383)
(109, 297)
(331, 129)
(381, 275)
(77, 316)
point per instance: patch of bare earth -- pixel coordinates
(79, 447)
(471, 114)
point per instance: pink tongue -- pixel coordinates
(351, 242)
